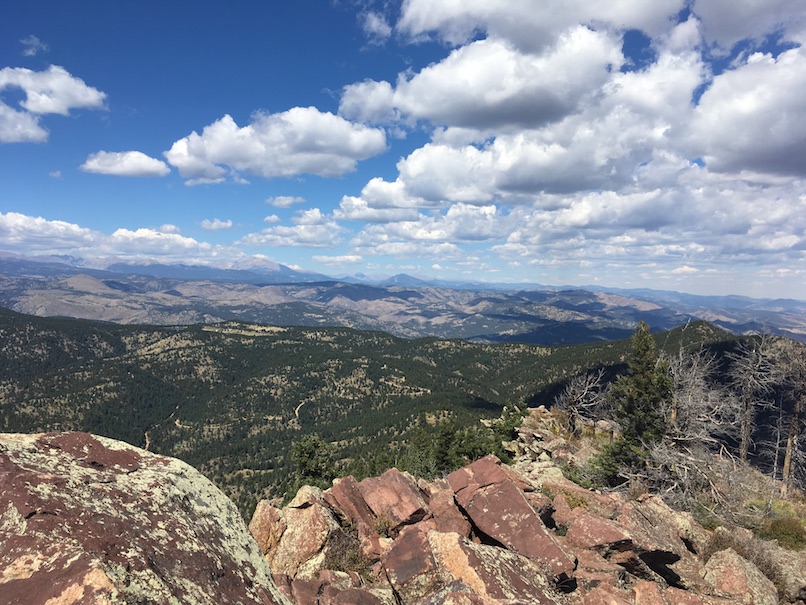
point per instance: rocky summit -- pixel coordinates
(84, 519)
(491, 533)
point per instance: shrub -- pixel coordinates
(385, 526)
(344, 552)
(787, 531)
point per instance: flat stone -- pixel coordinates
(499, 510)
(591, 532)
(447, 516)
(495, 574)
(309, 523)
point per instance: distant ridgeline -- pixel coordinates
(233, 398)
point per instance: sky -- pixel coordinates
(565, 142)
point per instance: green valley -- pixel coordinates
(232, 398)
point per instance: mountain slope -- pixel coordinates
(230, 398)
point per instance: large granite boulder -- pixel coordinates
(85, 519)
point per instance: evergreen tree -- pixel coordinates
(639, 399)
(641, 396)
(313, 460)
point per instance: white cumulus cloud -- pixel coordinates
(527, 23)
(311, 228)
(51, 91)
(727, 22)
(37, 235)
(302, 140)
(376, 27)
(33, 46)
(752, 117)
(343, 259)
(125, 163)
(20, 126)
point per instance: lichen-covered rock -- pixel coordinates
(440, 567)
(602, 535)
(731, 573)
(411, 567)
(496, 575)
(90, 520)
(447, 516)
(300, 533)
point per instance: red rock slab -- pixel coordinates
(409, 557)
(591, 560)
(602, 505)
(519, 479)
(652, 530)
(540, 502)
(447, 516)
(283, 583)
(563, 515)
(345, 498)
(455, 597)
(603, 595)
(411, 568)
(309, 523)
(349, 596)
(648, 593)
(307, 591)
(601, 535)
(483, 472)
(498, 509)
(394, 496)
(266, 526)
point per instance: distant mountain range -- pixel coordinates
(402, 305)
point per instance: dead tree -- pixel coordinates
(700, 410)
(582, 397)
(753, 374)
(790, 357)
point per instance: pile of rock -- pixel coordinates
(490, 533)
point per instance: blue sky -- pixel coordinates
(635, 144)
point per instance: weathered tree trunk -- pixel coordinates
(746, 427)
(791, 444)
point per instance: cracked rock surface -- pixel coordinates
(85, 519)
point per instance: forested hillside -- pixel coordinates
(232, 398)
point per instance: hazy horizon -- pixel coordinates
(633, 145)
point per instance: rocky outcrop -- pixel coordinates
(85, 519)
(495, 534)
